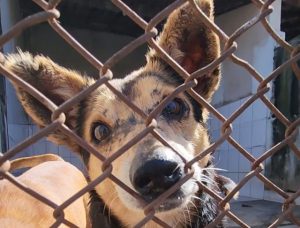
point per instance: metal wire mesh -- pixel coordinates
(50, 14)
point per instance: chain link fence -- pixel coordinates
(50, 14)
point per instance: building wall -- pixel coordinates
(252, 129)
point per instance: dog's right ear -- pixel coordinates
(190, 43)
(57, 83)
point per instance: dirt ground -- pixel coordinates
(260, 213)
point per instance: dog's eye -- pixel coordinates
(176, 109)
(100, 132)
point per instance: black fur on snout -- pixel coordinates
(155, 177)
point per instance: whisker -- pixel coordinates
(189, 216)
(214, 168)
(110, 206)
(194, 205)
(198, 198)
(185, 222)
(178, 221)
(178, 166)
(207, 179)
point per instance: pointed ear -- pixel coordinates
(57, 83)
(190, 43)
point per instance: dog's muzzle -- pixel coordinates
(155, 170)
(155, 177)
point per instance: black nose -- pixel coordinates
(155, 177)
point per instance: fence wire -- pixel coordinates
(51, 14)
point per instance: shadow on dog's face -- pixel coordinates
(102, 119)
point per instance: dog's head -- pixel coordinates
(102, 119)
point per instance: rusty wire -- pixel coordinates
(50, 14)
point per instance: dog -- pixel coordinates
(19, 209)
(103, 120)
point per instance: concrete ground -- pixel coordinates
(259, 213)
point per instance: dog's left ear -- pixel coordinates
(57, 83)
(190, 43)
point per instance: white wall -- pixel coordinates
(252, 129)
(255, 46)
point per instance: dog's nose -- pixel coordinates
(155, 177)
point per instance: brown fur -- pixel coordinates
(18, 209)
(189, 42)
